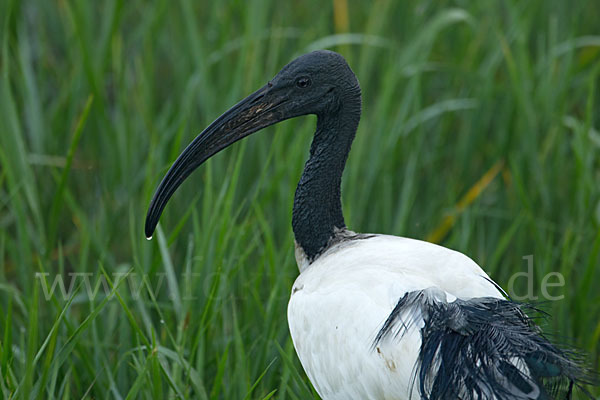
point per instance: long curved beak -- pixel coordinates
(253, 113)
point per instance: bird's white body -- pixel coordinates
(342, 299)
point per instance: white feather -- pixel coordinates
(341, 300)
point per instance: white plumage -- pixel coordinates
(341, 300)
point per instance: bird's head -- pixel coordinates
(314, 83)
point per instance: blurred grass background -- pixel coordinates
(479, 130)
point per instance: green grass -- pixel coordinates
(98, 98)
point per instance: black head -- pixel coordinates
(315, 83)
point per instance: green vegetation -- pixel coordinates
(98, 98)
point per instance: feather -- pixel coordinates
(483, 348)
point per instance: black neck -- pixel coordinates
(317, 213)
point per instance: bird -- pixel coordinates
(375, 316)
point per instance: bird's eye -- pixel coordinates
(303, 82)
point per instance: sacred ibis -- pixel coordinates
(377, 316)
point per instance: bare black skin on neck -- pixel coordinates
(317, 205)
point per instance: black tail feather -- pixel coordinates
(485, 348)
